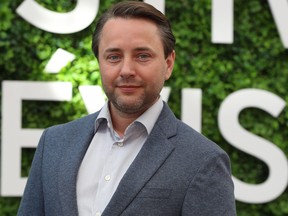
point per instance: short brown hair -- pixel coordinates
(136, 9)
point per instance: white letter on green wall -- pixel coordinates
(14, 137)
(73, 21)
(256, 146)
(222, 21)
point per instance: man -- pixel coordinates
(133, 157)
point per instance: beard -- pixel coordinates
(128, 106)
(133, 103)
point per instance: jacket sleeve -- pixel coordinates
(32, 202)
(211, 191)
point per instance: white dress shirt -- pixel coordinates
(108, 158)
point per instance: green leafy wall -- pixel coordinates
(256, 59)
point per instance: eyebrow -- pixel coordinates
(142, 49)
(112, 50)
(109, 50)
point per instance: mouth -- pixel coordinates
(128, 88)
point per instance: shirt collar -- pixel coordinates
(148, 118)
(104, 115)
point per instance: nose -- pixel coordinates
(127, 69)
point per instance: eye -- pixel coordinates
(113, 58)
(143, 57)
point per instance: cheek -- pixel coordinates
(106, 80)
(107, 74)
(155, 81)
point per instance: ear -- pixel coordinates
(170, 64)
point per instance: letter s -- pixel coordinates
(266, 151)
(62, 23)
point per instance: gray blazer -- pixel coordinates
(177, 172)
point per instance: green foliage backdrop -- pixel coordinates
(256, 59)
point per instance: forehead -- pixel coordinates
(130, 35)
(118, 27)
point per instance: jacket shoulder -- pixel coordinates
(86, 121)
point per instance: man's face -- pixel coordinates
(132, 64)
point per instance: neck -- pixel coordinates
(121, 120)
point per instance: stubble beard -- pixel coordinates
(129, 106)
(133, 106)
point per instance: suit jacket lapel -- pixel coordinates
(75, 148)
(152, 155)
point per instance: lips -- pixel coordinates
(128, 88)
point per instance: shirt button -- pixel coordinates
(107, 177)
(120, 144)
(98, 214)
